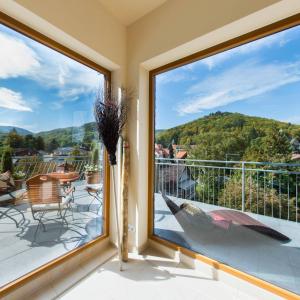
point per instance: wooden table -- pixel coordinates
(65, 177)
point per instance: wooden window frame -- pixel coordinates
(230, 44)
(50, 43)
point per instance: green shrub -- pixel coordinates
(6, 161)
(95, 156)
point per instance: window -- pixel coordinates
(226, 156)
(52, 166)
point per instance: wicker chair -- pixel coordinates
(45, 195)
(8, 196)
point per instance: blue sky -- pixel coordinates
(261, 78)
(41, 89)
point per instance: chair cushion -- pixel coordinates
(6, 180)
(13, 197)
(5, 197)
(196, 216)
(52, 206)
(94, 188)
(192, 209)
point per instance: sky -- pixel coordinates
(261, 78)
(41, 89)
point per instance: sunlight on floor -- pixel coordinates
(150, 276)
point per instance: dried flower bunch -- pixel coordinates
(110, 114)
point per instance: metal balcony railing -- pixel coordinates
(34, 165)
(264, 188)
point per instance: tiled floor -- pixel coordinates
(148, 277)
(238, 246)
(21, 252)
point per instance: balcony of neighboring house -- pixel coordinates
(149, 149)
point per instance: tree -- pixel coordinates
(171, 151)
(6, 161)
(75, 152)
(95, 156)
(40, 143)
(29, 141)
(53, 144)
(14, 140)
(88, 136)
(274, 147)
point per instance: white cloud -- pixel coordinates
(171, 76)
(279, 39)
(239, 83)
(68, 76)
(16, 58)
(12, 100)
(20, 56)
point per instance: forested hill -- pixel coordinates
(6, 129)
(71, 135)
(235, 136)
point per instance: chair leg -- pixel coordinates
(91, 203)
(8, 216)
(96, 196)
(63, 216)
(38, 226)
(40, 222)
(71, 209)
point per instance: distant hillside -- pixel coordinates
(71, 135)
(7, 129)
(159, 131)
(235, 136)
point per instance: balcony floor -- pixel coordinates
(21, 252)
(150, 276)
(239, 247)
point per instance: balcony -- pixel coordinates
(247, 215)
(25, 243)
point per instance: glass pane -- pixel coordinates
(51, 181)
(227, 158)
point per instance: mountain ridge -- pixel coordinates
(6, 129)
(220, 134)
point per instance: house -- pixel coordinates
(175, 180)
(67, 151)
(179, 152)
(24, 152)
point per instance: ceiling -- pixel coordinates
(128, 11)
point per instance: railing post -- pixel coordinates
(177, 178)
(243, 186)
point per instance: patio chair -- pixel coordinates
(45, 195)
(95, 191)
(8, 197)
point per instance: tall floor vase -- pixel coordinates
(117, 215)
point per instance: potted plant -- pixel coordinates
(19, 178)
(92, 175)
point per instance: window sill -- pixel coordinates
(54, 281)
